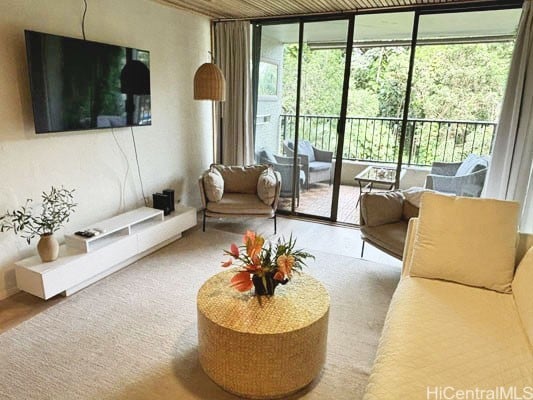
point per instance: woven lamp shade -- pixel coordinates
(209, 83)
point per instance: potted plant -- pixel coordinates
(51, 215)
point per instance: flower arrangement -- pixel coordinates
(264, 265)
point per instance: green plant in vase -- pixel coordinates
(50, 216)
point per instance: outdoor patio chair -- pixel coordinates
(316, 163)
(283, 165)
(462, 179)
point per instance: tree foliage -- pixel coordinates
(453, 81)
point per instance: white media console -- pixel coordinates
(82, 261)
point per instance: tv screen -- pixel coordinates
(77, 84)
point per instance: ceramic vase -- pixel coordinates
(48, 247)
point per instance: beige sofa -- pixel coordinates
(443, 338)
(240, 191)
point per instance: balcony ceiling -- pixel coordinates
(250, 9)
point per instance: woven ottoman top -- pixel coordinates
(296, 305)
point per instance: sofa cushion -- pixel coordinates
(466, 240)
(441, 334)
(471, 164)
(266, 186)
(522, 292)
(240, 204)
(381, 208)
(213, 184)
(390, 237)
(306, 148)
(239, 178)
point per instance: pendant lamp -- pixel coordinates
(209, 83)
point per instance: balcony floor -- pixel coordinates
(317, 201)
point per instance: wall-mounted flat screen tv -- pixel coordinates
(78, 84)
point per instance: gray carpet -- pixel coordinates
(133, 335)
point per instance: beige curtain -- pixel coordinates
(510, 175)
(232, 47)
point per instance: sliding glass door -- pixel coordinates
(369, 101)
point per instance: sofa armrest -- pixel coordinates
(408, 249)
(447, 169)
(323, 155)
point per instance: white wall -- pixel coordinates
(172, 152)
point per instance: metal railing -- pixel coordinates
(377, 138)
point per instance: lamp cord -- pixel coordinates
(138, 168)
(83, 20)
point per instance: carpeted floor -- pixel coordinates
(133, 335)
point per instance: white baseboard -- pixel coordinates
(5, 293)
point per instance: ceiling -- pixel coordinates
(250, 9)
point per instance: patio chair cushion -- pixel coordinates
(213, 184)
(471, 164)
(266, 156)
(465, 240)
(522, 283)
(240, 204)
(306, 148)
(266, 186)
(319, 166)
(382, 208)
(414, 194)
(241, 179)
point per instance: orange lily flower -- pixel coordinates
(279, 276)
(285, 264)
(227, 263)
(242, 281)
(234, 250)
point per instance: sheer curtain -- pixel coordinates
(510, 175)
(232, 46)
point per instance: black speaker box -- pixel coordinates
(162, 202)
(170, 194)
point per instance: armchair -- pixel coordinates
(462, 179)
(237, 191)
(316, 163)
(384, 219)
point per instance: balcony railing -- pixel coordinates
(377, 139)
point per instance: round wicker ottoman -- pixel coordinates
(267, 347)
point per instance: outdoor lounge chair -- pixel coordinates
(316, 163)
(462, 179)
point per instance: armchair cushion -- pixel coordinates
(381, 208)
(319, 166)
(306, 148)
(266, 156)
(266, 186)
(240, 204)
(213, 184)
(471, 164)
(240, 179)
(468, 241)
(522, 284)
